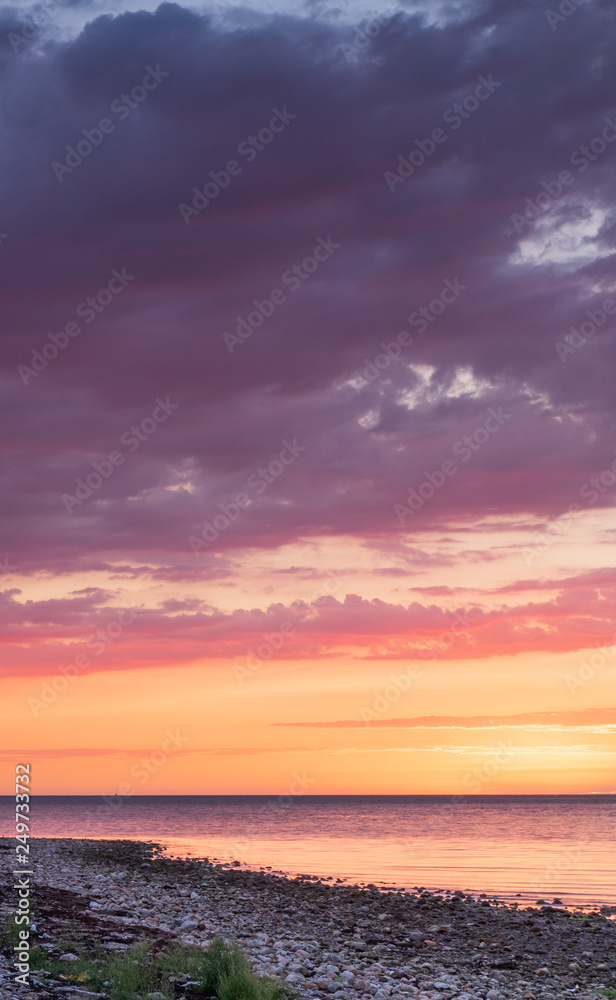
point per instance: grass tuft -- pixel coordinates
(135, 973)
(223, 971)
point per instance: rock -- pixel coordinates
(68, 957)
(331, 930)
(295, 977)
(193, 989)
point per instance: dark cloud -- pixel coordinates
(322, 176)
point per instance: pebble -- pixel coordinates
(359, 943)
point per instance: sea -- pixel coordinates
(522, 848)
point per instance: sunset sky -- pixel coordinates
(309, 452)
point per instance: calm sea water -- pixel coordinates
(513, 847)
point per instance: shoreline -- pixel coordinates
(318, 936)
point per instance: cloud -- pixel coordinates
(595, 720)
(41, 635)
(134, 753)
(300, 373)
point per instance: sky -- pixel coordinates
(308, 401)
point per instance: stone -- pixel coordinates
(295, 977)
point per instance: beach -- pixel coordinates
(319, 936)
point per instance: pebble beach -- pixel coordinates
(320, 937)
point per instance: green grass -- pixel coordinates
(180, 961)
(9, 932)
(226, 973)
(135, 973)
(222, 970)
(609, 993)
(245, 985)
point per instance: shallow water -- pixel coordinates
(514, 847)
